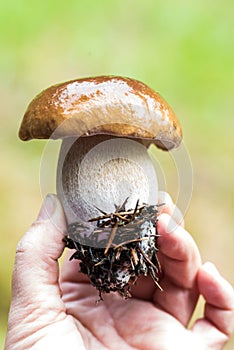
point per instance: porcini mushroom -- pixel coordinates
(104, 167)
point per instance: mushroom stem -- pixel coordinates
(101, 172)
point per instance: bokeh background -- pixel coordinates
(183, 49)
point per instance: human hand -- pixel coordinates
(56, 310)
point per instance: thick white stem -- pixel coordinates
(101, 172)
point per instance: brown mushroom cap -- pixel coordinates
(111, 105)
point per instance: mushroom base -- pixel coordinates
(115, 269)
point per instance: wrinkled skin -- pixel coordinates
(53, 309)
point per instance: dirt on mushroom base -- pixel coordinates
(128, 248)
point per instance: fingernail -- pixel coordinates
(211, 268)
(48, 208)
(172, 225)
(177, 216)
(164, 198)
(169, 224)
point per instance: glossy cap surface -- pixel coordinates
(112, 105)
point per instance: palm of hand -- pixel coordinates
(120, 324)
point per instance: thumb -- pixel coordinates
(36, 272)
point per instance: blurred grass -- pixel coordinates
(183, 50)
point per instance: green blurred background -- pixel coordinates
(183, 49)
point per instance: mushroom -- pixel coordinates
(106, 124)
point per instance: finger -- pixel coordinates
(219, 307)
(179, 254)
(35, 274)
(167, 206)
(180, 260)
